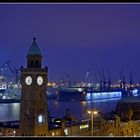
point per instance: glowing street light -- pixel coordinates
(92, 112)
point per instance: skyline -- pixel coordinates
(74, 39)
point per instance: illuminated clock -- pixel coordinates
(28, 80)
(39, 80)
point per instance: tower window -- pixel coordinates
(32, 63)
(41, 119)
(36, 63)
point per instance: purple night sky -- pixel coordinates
(74, 38)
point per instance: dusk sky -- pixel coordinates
(74, 38)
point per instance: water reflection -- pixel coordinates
(58, 109)
(79, 108)
(9, 111)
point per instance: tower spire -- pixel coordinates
(34, 56)
(34, 39)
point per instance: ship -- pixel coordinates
(10, 88)
(102, 90)
(89, 94)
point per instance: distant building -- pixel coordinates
(128, 108)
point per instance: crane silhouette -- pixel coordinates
(12, 69)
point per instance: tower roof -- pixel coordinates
(34, 49)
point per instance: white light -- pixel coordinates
(4, 86)
(66, 131)
(88, 96)
(4, 97)
(58, 121)
(52, 133)
(80, 89)
(135, 92)
(40, 119)
(89, 84)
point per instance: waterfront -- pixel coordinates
(10, 111)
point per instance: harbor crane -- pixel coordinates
(86, 75)
(12, 69)
(122, 82)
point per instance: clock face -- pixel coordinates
(39, 80)
(28, 80)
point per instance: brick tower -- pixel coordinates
(33, 108)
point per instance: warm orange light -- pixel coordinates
(89, 112)
(95, 112)
(49, 84)
(92, 111)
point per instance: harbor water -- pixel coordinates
(10, 111)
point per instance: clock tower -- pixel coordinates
(33, 108)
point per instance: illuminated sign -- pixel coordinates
(84, 126)
(101, 95)
(66, 131)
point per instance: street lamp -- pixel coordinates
(92, 112)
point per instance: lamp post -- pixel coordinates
(92, 112)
